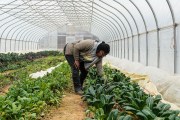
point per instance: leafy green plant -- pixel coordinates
(27, 98)
(11, 61)
(31, 67)
(119, 99)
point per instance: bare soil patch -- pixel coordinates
(72, 108)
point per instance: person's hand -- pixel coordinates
(76, 64)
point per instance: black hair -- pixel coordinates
(104, 47)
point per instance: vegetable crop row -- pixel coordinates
(28, 98)
(116, 98)
(11, 61)
(29, 67)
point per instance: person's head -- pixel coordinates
(102, 50)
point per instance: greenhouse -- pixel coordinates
(89, 60)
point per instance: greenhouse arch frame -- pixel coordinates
(144, 31)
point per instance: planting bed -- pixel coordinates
(111, 97)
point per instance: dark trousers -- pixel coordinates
(78, 80)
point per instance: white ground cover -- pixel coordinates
(157, 82)
(43, 73)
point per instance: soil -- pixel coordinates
(72, 108)
(8, 72)
(4, 90)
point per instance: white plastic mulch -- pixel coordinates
(43, 73)
(168, 85)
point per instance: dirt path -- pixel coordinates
(71, 108)
(4, 90)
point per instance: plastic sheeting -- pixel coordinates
(43, 73)
(153, 80)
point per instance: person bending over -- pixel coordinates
(83, 54)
